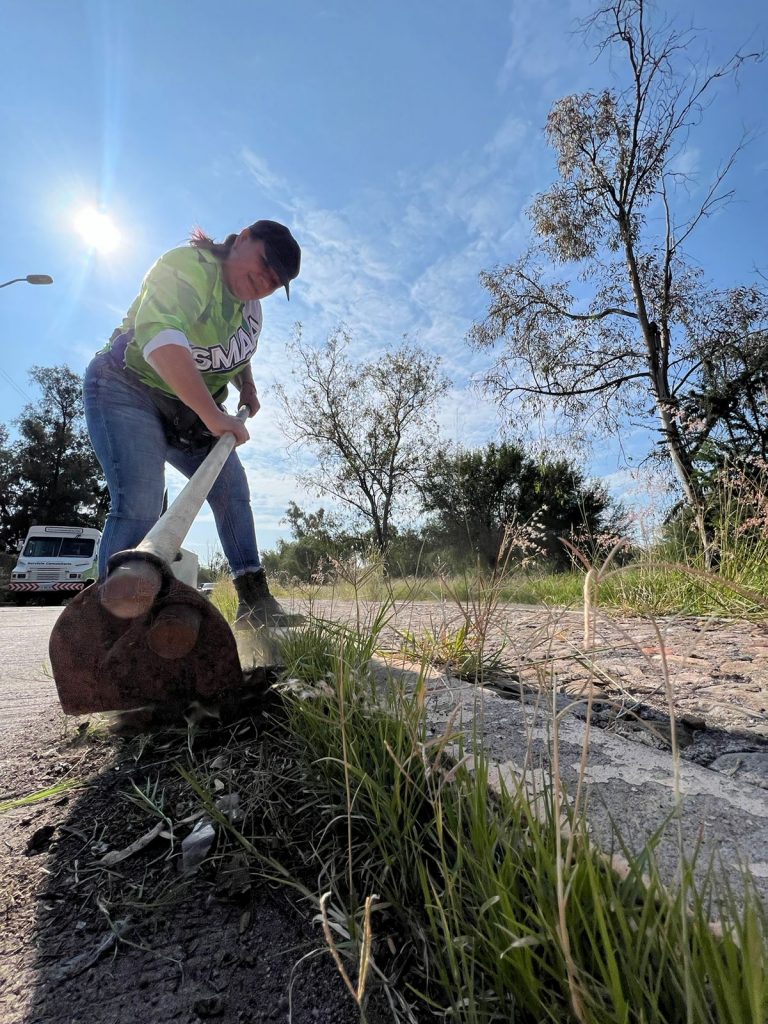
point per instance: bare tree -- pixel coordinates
(370, 425)
(649, 341)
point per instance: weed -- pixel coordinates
(41, 794)
(491, 905)
(461, 651)
(225, 599)
(462, 900)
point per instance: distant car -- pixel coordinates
(207, 589)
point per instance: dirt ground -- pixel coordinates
(80, 942)
(85, 944)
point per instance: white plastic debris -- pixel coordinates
(194, 849)
(229, 805)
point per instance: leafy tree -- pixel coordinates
(53, 475)
(317, 539)
(734, 387)
(6, 474)
(321, 526)
(214, 568)
(477, 498)
(421, 551)
(369, 424)
(652, 342)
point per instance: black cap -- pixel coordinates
(281, 249)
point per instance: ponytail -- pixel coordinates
(200, 240)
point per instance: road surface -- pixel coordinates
(27, 691)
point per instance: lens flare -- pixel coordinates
(97, 229)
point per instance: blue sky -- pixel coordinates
(401, 141)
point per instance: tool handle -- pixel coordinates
(167, 535)
(131, 587)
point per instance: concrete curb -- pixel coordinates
(630, 787)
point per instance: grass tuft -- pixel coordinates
(41, 794)
(463, 651)
(457, 900)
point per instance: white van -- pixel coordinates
(55, 561)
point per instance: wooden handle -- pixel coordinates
(167, 535)
(132, 587)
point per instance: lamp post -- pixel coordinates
(30, 279)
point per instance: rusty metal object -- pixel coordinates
(130, 590)
(174, 631)
(142, 637)
(104, 663)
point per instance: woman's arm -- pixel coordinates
(244, 382)
(175, 365)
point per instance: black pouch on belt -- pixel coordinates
(183, 428)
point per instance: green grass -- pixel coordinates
(225, 598)
(667, 577)
(465, 651)
(669, 589)
(649, 587)
(555, 589)
(514, 588)
(41, 794)
(456, 901)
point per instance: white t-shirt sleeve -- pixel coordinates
(167, 337)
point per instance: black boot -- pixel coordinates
(256, 605)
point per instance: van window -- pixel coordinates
(59, 547)
(77, 547)
(42, 547)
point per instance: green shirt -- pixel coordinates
(185, 292)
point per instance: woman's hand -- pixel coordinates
(176, 366)
(249, 397)
(223, 423)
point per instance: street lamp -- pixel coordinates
(30, 279)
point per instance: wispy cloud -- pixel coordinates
(407, 261)
(536, 55)
(270, 183)
(687, 163)
(466, 419)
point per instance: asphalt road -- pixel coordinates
(27, 689)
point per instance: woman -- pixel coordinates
(153, 394)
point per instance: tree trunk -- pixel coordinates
(657, 365)
(686, 474)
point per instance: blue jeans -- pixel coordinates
(128, 438)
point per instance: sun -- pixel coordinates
(97, 229)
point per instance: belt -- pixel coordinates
(118, 343)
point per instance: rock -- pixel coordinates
(746, 766)
(709, 744)
(693, 721)
(40, 840)
(210, 1006)
(735, 666)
